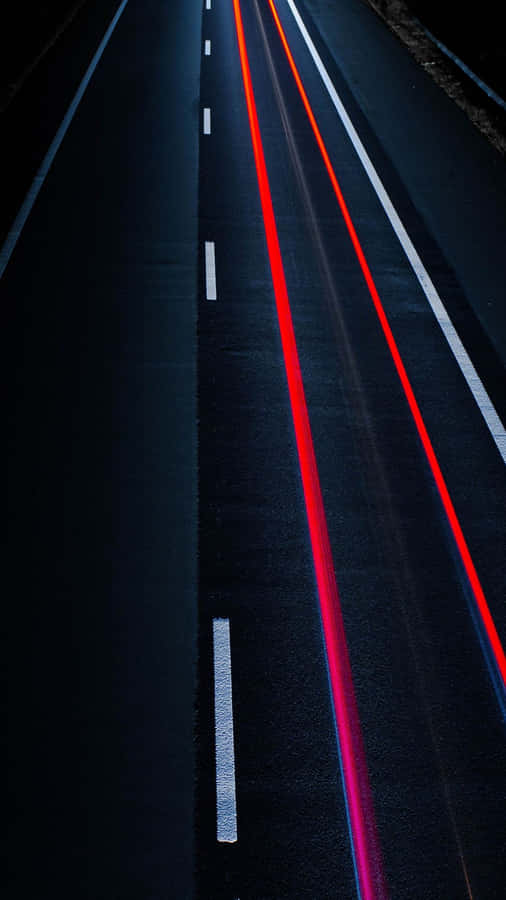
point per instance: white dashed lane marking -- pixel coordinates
(226, 810)
(210, 262)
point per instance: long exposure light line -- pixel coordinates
(474, 581)
(367, 857)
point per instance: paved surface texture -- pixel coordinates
(100, 590)
(155, 483)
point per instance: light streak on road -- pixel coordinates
(367, 857)
(486, 619)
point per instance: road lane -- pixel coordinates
(422, 682)
(363, 835)
(100, 375)
(255, 567)
(396, 308)
(495, 651)
(497, 581)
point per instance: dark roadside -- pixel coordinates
(39, 42)
(29, 31)
(99, 374)
(477, 42)
(478, 39)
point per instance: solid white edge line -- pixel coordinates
(226, 809)
(474, 382)
(210, 271)
(207, 48)
(207, 120)
(33, 192)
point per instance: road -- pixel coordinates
(255, 348)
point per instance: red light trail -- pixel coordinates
(481, 602)
(365, 844)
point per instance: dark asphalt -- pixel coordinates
(423, 686)
(99, 353)
(154, 482)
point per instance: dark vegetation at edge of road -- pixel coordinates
(477, 38)
(30, 28)
(476, 43)
(475, 35)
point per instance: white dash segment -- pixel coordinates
(207, 48)
(208, 4)
(476, 386)
(210, 271)
(207, 120)
(226, 809)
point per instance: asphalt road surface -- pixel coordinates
(255, 354)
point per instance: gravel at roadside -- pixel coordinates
(486, 115)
